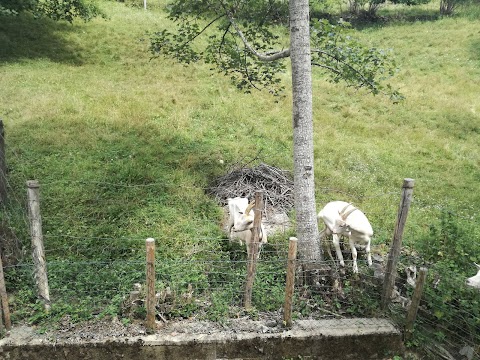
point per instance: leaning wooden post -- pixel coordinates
(290, 282)
(4, 300)
(36, 234)
(150, 301)
(3, 166)
(392, 261)
(413, 309)
(253, 250)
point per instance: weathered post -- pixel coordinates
(290, 282)
(392, 261)
(3, 200)
(3, 167)
(36, 234)
(150, 301)
(413, 309)
(253, 251)
(4, 300)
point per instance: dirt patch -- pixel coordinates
(67, 331)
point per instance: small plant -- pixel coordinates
(449, 242)
(125, 321)
(448, 303)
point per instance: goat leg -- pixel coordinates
(336, 243)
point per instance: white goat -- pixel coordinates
(241, 222)
(474, 281)
(342, 218)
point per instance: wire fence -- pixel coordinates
(448, 318)
(92, 276)
(211, 286)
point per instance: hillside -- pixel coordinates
(125, 147)
(98, 107)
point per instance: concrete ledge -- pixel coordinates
(311, 339)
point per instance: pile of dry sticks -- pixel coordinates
(276, 184)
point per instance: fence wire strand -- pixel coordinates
(215, 275)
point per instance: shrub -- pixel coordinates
(451, 243)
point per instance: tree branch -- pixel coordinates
(271, 56)
(204, 28)
(332, 69)
(360, 75)
(223, 41)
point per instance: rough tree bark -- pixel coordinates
(307, 227)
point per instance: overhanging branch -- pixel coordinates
(271, 56)
(360, 75)
(332, 69)
(203, 30)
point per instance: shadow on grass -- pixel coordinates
(24, 37)
(392, 17)
(382, 18)
(120, 186)
(475, 49)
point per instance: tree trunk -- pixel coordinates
(307, 228)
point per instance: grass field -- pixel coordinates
(124, 146)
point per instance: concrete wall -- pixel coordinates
(324, 339)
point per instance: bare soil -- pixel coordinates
(98, 330)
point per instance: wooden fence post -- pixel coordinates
(4, 300)
(290, 282)
(36, 234)
(253, 251)
(395, 248)
(3, 166)
(413, 309)
(150, 301)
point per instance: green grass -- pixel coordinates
(124, 146)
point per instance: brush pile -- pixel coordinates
(276, 184)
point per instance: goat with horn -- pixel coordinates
(241, 221)
(342, 218)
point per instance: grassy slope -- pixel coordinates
(432, 136)
(91, 117)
